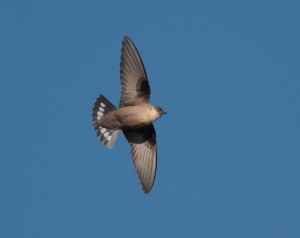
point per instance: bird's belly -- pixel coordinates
(133, 117)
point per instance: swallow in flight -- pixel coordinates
(135, 115)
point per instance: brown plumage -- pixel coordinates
(134, 116)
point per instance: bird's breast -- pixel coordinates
(134, 116)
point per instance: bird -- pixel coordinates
(134, 117)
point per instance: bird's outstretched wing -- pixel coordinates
(135, 85)
(144, 154)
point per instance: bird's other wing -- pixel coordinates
(144, 154)
(135, 85)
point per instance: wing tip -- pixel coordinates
(126, 37)
(147, 190)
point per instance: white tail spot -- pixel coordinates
(100, 114)
(102, 104)
(102, 130)
(101, 109)
(106, 134)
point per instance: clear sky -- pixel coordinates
(226, 72)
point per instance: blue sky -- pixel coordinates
(227, 73)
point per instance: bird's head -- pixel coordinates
(159, 111)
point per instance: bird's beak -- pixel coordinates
(165, 112)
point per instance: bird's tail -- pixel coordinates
(101, 107)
